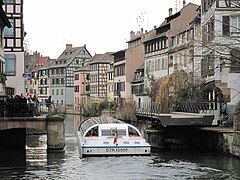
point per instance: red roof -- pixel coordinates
(40, 62)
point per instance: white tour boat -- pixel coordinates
(109, 136)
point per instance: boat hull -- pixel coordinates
(115, 150)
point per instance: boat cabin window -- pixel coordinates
(132, 132)
(113, 132)
(92, 132)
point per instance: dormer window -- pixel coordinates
(138, 75)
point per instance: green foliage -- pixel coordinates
(91, 111)
(97, 108)
(183, 94)
(112, 106)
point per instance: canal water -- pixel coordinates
(162, 164)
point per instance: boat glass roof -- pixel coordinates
(87, 123)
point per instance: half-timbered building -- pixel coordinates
(13, 47)
(4, 22)
(99, 66)
(43, 91)
(62, 74)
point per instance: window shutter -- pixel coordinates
(225, 26)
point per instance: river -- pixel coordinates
(162, 164)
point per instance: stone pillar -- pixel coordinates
(155, 137)
(55, 133)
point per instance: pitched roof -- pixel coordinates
(48, 64)
(68, 56)
(40, 63)
(102, 58)
(181, 23)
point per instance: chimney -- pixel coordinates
(155, 27)
(170, 11)
(184, 3)
(68, 46)
(132, 35)
(141, 30)
(85, 45)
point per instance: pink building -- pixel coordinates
(81, 88)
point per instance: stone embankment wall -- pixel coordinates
(235, 148)
(226, 139)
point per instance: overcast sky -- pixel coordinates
(103, 25)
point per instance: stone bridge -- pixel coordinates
(11, 128)
(23, 122)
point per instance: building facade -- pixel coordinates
(170, 47)
(134, 59)
(34, 80)
(138, 88)
(110, 83)
(62, 74)
(99, 66)
(82, 88)
(43, 90)
(4, 22)
(220, 62)
(119, 75)
(13, 47)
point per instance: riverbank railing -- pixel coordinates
(197, 107)
(147, 108)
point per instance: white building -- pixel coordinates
(13, 47)
(220, 62)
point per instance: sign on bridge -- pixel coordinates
(26, 75)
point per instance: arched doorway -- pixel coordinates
(213, 95)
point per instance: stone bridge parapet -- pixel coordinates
(23, 122)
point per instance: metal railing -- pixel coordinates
(147, 108)
(153, 108)
(197, 107)
(29, 109)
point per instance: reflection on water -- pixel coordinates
(164, 164)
